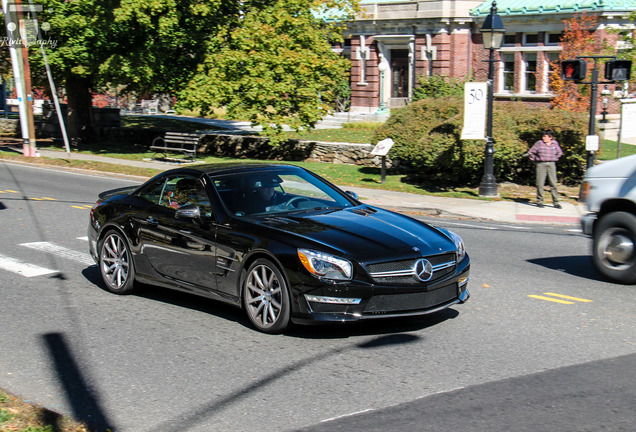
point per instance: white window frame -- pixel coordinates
(524, 71)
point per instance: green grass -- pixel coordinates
(609, 150)
(346, 135)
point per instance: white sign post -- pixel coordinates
(475, 99)
(382, 149)
(592, 143)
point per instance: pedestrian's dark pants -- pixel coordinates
(549, 169)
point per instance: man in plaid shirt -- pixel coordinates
(544, 154)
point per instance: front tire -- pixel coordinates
(265, 297)
(115, 263)
(614, 250)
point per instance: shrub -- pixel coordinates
(436, 86)
(427, 142)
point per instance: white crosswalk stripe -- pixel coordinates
(25, 269)
(61, 251)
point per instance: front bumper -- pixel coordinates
(92, 242)
(356, 303)
(587, 223)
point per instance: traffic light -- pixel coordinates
(573, 70)
(618, 70)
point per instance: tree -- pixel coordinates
(266, 60)
(148, 45)
(273, 64)
(577, 40)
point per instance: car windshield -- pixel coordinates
(274, 192)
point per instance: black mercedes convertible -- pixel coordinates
(278, 241)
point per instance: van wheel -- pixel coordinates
(614, 250)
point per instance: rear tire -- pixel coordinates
(265, 297)
(115, 263)
(614, 250)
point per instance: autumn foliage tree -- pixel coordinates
(578, 40)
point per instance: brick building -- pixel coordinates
(441, 37)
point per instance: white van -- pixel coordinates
(609, 191)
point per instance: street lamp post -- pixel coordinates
(492, 32)
(605, 103)
(382, 67)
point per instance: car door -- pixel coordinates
(180, 250)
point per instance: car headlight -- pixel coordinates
(459, 243)
(324, 265)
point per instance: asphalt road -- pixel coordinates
(511, 359)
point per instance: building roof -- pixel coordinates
(537, 7)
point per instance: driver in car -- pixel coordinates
(263, 196)
(185, 193)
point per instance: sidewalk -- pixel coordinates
(501, 211)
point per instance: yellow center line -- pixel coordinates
(50, 199)
(569, 298)
(551, 299)
(78, 207)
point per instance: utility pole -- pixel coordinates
(16, 28)
(24, 31)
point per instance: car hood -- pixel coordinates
(368, 233)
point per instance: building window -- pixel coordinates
(553, 38)
(510, 39)
(531, 39)
(508, 81)
(530, 73)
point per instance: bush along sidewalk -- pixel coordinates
(428, 144)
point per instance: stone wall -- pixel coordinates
(9, 127)
(251, 147)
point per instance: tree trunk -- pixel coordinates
(80, 115)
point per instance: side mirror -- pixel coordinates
(353, 195)
(190, 211)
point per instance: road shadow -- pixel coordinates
(577, 265)
(175, 298)
(83, 399)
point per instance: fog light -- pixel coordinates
(332, 300)
(462, 281)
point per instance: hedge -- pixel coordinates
(428, 145)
